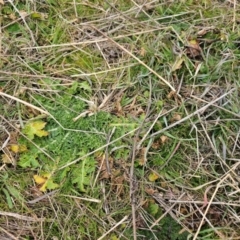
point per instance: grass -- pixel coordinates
(119, 120)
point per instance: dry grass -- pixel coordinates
(145, 94)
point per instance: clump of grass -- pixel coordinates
(140, 103)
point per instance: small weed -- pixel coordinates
(119, 120)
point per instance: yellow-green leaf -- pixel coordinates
(45, 182)
(153, 177)
(35, 128)
(39, 179)
(6, 159)
(50, 185)
(18, 148)
(178, 63)
(38, 15)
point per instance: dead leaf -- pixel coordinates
(193, 49)
(14, 137)
(12, 16)
(7, 159)
(150, 191)
(118, 183)
(171, 95)
(134, 109)
(35, 192)
(142, 156)
(176, 117)
(204, 31)
(156, 144)
(119, 110)
(23, 14)
(105, 165)
(31, 112)
(164, 139)
(163, 184)
(142, 52)
(197, 65)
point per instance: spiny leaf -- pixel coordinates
(81, 175)
(85, 86)
(50, 185)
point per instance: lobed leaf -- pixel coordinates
(35, 128)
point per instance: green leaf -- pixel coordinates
(15, 193)
(45, 182)
(13, 28)
(28, 160)
(153, 208)
(82, 174)
(38, 15)
(8, 198)
(73, 88)
(50, 185)
(85, 86)
(63, 173)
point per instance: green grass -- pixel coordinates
(125, 157)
